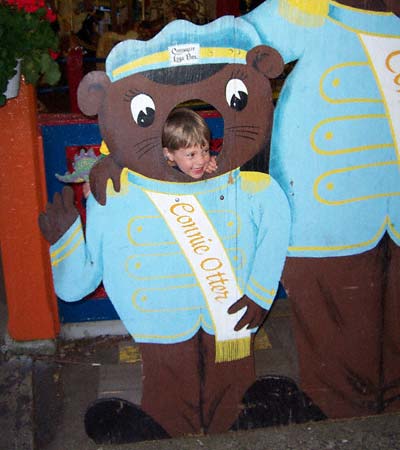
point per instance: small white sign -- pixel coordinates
(184, 54)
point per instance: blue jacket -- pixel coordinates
(336, 134)
(152, 286)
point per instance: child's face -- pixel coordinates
(192, 160)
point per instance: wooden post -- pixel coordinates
(74, 76)
(114, 23)
(32, 305)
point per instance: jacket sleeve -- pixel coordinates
(284, 27)
(271, 215)
(76, 261)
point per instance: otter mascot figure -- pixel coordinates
(335, 151)
(191, 267)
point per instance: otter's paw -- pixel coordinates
(59, 215)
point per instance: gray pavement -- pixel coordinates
(372, 433)
(46, 388)
(16, 404)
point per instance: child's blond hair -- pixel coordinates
(184, 128)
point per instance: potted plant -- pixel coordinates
(28, 38)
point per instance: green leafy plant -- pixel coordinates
(26, 34)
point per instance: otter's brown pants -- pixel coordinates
(186, 392)
(346, 315)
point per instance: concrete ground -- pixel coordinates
(43, 397)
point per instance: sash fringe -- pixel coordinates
(232, 350)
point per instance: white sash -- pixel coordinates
(206, 255)
(384, 54)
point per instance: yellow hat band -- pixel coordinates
(162, 59)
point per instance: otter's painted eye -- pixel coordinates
(236, 94)
(143, 110)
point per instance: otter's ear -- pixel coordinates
(266, 60)
(91, 92)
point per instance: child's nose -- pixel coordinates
(200, 158)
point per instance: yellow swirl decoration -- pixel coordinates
(389, 65)
(349, 170)
(309, 13)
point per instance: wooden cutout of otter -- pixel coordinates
(335, 152)
(197, 350)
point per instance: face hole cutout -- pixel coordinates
(143, 110)
(236, 94)
(215, 124)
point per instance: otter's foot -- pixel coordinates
(275, 400)
(117, 421)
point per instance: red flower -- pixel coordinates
(31, 6)
(50, 15)
(53, 54)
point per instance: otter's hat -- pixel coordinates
(183, 43)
